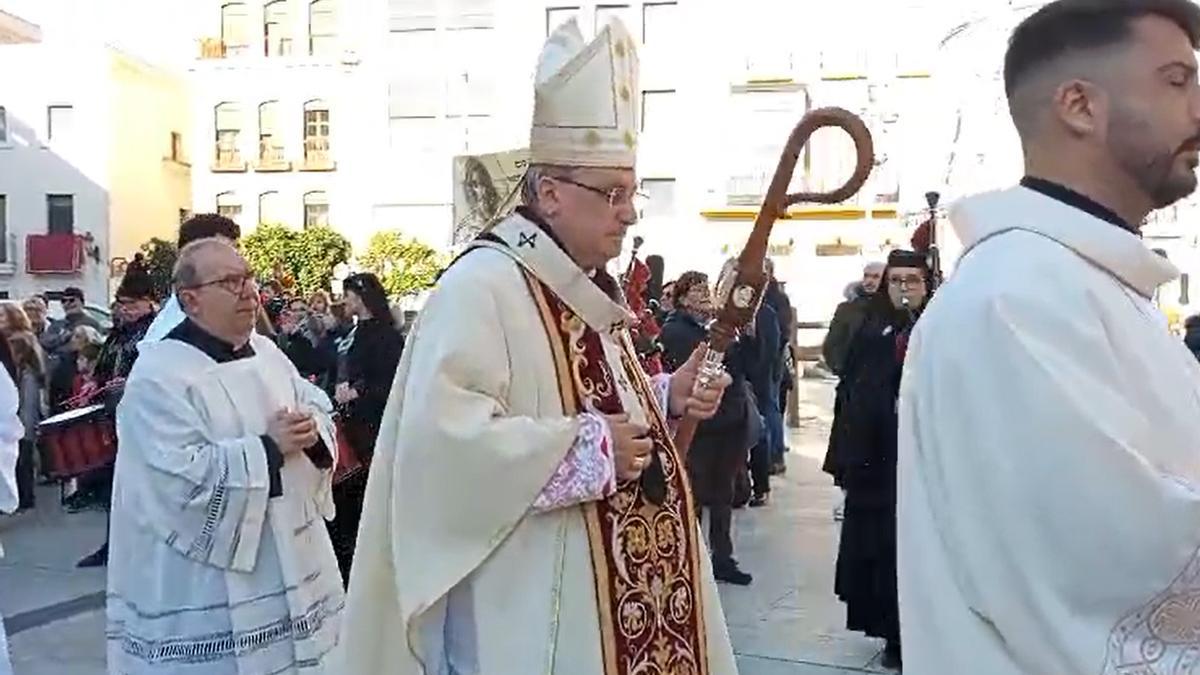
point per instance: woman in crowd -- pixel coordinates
(722, 444)
(365, 373)
(864, 433)
(30, 365)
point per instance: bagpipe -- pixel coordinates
(645, 330)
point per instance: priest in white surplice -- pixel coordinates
(11, 431)
(1049, 444)
(526, 510)
(219, 561)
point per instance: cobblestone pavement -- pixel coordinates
(786, 623)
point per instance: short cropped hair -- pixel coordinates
(534, 175)
(205, 226)
(1066, 26)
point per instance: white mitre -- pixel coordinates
(586, 99)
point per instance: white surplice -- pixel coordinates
(11, 432)
(1049, 449)
(208, 575)
(455, 572)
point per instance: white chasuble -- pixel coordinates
(207, 573)
(456, 573)
(11, 431)
(1049, 456)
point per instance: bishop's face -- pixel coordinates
(591, 211)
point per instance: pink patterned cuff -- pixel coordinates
(662, 392)
(587, 473)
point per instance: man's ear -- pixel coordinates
(1080, 105)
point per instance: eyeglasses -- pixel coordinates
(907, 280)
(615, 197)
(234, 284)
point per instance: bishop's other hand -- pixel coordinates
(688, 396)
(631, 446)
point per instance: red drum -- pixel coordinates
(348, 462)
(79, 441)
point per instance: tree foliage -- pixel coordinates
(308, 256)
(404, 266)
(160, 256)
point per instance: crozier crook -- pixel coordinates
(743, 281)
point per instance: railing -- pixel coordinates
(228, 159)
(271, 158)
(54, 253)
(212, 48)
(317, 156)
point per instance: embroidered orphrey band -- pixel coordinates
(645, 557)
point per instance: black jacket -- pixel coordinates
(371, 365)
(680, 336)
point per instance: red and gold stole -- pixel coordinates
(645, 557)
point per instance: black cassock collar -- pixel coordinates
(214, 347)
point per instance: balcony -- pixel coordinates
(212, 48)
(228, 161)
(271, 159)
(317, 156)
(54, 253)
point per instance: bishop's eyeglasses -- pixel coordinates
(615, 197)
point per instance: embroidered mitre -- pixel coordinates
(586, 105)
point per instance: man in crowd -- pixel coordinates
(135, 312)
(578, 550)
(1049, 488)
(849, 316)
(220, 564)
(74, 314)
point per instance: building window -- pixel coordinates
(606, 13)
(1185, 294)
(277, 26)
(176, 147)
(60, 123)
(229, 206)
(470, 14)
(316, 132)
(414, 135)
(269, 209)
(557, 16)
(322, 28)
(270, 141)
(415, 91)
(3, 125)
(660, 25)
(470, 81)
(316, 209)
(60, 214)
(658, 111)
(660, 197)
(3, 228)
(235, 28)
(229, 130)
(410, 15)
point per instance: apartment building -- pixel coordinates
(92, 162)
(278, 113)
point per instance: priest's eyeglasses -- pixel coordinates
(617, 196)
(234, 284)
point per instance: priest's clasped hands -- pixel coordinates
(632, 445)
(293, 431)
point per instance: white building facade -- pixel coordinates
(92, 164)
(279, 114)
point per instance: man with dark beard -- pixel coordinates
(1049, 488)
